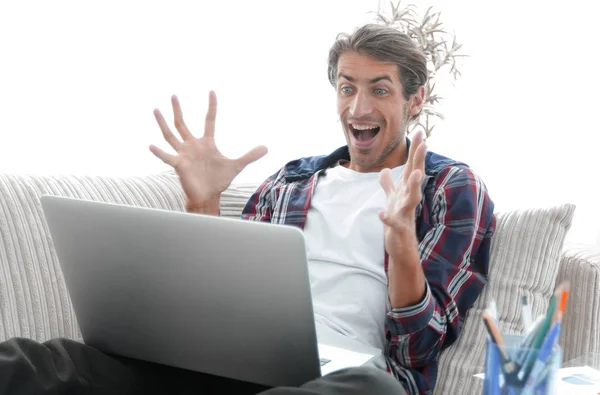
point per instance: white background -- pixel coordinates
(79, 81)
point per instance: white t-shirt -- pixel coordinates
(345, 250)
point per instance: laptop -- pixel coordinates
(210, 294)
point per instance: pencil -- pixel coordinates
(561, 307)
(507, 364)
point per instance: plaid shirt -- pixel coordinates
(455, 222)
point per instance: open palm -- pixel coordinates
(203, 171)
(402, 199)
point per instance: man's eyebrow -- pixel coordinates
(383, 77)
(341, 75)
(372, 81)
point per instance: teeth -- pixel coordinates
(364, 127)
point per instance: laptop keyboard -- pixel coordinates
(324, 361)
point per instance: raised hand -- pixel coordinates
(203, 171)
(403, 198)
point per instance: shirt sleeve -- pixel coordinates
(259, 206)
(455, 236)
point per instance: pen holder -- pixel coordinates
(498, 381)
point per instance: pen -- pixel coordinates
(558, 301)
(539, 338)
(558, 316)
(535, 324)
(493, 310)
(507, 365)
(527, 343)
(526, 310)
(542, 359)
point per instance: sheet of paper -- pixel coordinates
(341, 358)
(581, 380)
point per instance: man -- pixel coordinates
(393, 266)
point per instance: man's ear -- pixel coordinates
(416, 102)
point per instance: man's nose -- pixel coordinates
(361, 105)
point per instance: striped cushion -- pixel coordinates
(34, 302)
(580, 332)
(525, 255)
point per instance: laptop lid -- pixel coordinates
(211, 294)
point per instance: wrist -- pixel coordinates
(210, 206)
(405, 239)
(408, 224)
(408, 290)
(405, 273)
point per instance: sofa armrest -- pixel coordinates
(580, 332)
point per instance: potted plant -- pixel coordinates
(440, 47)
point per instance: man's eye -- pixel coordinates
(345, 89)
(381, 91)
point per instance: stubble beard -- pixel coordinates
(391, 146)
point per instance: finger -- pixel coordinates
(414, 182)
(169, 159)
(251, 156)
(419, 160)
(211, 115)
(179, 123)
(418, 164)
(414, 189)
(386, 181)
(167, 134)
(415, 143)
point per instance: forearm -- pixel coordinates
(210, 207)
(406, 285)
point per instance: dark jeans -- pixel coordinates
(62, 366)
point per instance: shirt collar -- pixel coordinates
(305, 168)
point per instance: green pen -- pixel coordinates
(527, 344)
(539, 339)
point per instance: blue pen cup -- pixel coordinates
(497, 382)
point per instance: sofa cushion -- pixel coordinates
(580, 329)
(34, 302)
(524, 260)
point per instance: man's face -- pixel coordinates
(373, 112)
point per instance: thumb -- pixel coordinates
(251, 156)
(386, 181)
(387, 219)
(414, 185)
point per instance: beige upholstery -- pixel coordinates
(580, 266)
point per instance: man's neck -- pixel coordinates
(395, 158)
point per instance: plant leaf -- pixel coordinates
(440, 47)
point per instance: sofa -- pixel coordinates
(528, 257)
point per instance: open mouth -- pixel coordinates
(364, 135)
